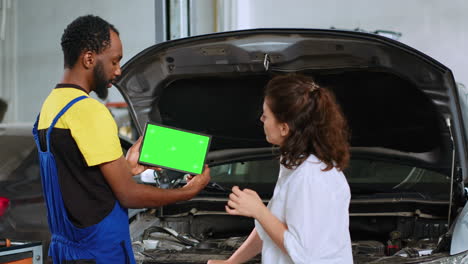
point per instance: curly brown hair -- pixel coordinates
(316, 123)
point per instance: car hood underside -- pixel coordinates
(395, 98)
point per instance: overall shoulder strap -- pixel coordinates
(57, 117)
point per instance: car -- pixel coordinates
(408, 143)
(408, 139)
(22, 212)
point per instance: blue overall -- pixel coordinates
(105, 242)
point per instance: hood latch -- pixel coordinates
(266, 62)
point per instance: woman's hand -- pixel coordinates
(132, 156)
(245, 202)
(218, 262)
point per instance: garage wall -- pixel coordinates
(40, 25)
(435, 27)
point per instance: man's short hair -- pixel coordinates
(86, 33)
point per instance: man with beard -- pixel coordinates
(87, 181)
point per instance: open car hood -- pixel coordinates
(396, 99)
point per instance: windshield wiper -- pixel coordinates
(210, 187)
(216, 186)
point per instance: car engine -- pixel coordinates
(178, 235)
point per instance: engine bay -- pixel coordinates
(197, 236)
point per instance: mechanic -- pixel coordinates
(87, 181)
(307, 219)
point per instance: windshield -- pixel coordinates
(364, 177)
(259, 175)
(367, 176)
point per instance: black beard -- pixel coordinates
(101, 82)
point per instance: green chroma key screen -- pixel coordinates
(174, 149)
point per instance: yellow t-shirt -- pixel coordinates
(91, 124)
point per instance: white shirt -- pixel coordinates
(314, 205)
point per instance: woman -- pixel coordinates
(307, 218)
